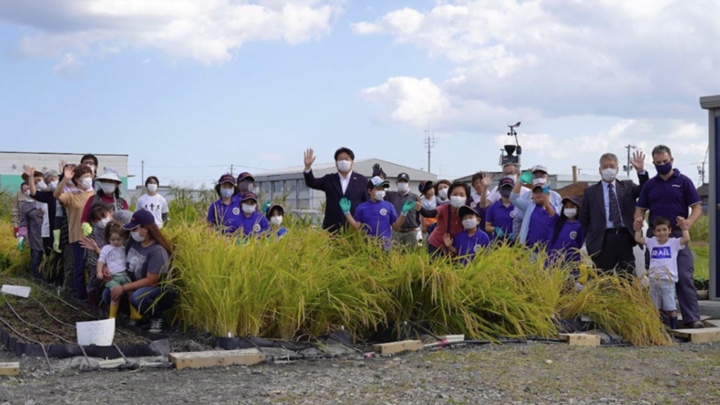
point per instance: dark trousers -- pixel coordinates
(685, 287)
(150, 301)
(79, 270)
(36, 257)
(616, 253)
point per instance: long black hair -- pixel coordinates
(561, 221)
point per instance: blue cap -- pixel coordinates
(250, 196)
(140, 218)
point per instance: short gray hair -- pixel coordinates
(661, 149)
(609, 156)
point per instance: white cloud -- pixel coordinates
(70, 67)
(208, 31)
(645, 58)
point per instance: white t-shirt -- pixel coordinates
(113, 257)
(156, 204)
(663, 258)
(45, 233)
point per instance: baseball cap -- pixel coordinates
(274, 207)
(378, 181)
(466, 210)
(227, 178)
(249, 196)
(572, 198)
(539, 168)
(506, 181)
(140, 218)
(403, 176)
(424, 186)
(538, 183)
(245, 176)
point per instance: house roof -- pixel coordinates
(362, 166)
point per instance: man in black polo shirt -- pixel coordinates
(407, 236)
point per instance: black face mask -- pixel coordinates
(245, 186)
(505, 192)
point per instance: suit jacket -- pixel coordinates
(356, 192)
(592, 212)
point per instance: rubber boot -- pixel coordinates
(134, 314)
(113, 311)
(673, 322)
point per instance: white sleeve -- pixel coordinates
(103, 253)
(677, 246)
(165, 208)
(650, 243)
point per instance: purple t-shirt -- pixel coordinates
(570, 238)
(377, 219)
(255, 224)
(227, 218)
(540, 227)
(668, 198)
(467, 245)
(501, 216)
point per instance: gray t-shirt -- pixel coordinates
(153, 259)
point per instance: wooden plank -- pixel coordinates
(581, 339)
(10, 368)
(706, 335)
(397, 347)
(216, 358)
(712, 323)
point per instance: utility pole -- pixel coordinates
(231, 170)
(628, 167)
(429, 144)
(142, 171)
(701, 168)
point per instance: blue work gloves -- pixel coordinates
(345, 205)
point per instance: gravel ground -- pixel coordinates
(513, 373)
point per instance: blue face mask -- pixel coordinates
(226, 192)
(664, 169)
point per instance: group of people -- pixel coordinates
(80, 222)
(83, 217)
(523, 209)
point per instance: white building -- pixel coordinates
(12, 165)
(287, 186)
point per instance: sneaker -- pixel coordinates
(697, 325)
(156, 325)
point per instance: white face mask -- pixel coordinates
(403, 187)
(41, 186)
(227, 192)
(608, 174)
(570, 212)
(107, 188)
(442, 193)
(248, 208)
(379, 195)
(344, 165)
(102, 223)
(152, 188)
(276, 220)
(26, 193)
(86, 183)
(457, 201)
(136, 237)
(470, 223)
(53, 185)
(430, 204)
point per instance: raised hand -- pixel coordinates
(486, 180)
(30, 172)
(683, 223)
(448, 240)
(638, 224)
(345, 205)
(309, 158)
(638, 160)
(408, 206)
(68, 171)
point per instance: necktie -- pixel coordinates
(615, 217)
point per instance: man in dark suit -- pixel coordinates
(607, 215)
(344, 183)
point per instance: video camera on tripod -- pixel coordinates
(511, 153)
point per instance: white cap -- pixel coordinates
(539, 182)
(539, 168)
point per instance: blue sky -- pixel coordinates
(170, 83)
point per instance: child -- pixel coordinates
(663, 271)
(376, 216)
(468, 242)
(500, 214)
(153, 202)
(429, 202)
(112, 257)
(275, 215)
(30, 228)
(251, 222)
(567, 235)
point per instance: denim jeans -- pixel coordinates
(144, 298)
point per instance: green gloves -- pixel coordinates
(56, 241)
(20, 243)
(546, 190)
(86, 228)
(407, 207)
(499, 232)
(266, 206)
(526, 177)
(345, 205)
